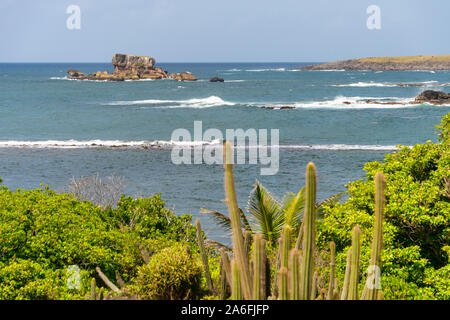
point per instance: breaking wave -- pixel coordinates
(388, 84)
(342, 102)
(96, 143)
(163, 144)
(208, 102)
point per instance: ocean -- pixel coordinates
(53, 128)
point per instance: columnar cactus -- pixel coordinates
(226, 265)
(284, 285)
(236, 292)
(93, 295)
(238, 241)
(203, 254)
(373, 281)
(331, 285)
(308, 224)
(354, 272)
(294, 276)
(259, 265)
(285, 246)
(346, 285)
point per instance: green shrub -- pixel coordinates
(416, 225)
(25, 279)
(171, 274)
(42, 233)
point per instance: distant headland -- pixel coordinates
(406, 63)
(131, 67)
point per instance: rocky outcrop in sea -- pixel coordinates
(131, 67)
(433, 97)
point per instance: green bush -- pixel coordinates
(26, 279)
(42, 233)
(171, 274)
(416, 225)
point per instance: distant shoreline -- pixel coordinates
(406, 63)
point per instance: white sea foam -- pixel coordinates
(389, 84)
(71, 79)
(211, 101)
(365, 84)
(341, 147)
(97, 143)
(165, 144)
(265, 70)
(342, 102)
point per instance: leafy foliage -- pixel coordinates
(171, 274)
(416, 226)
(42, 233)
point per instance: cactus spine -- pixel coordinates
(354, 272)
(201, 246)
(259, 265)
(236, 292)
(308, 233)
(294, 278)
(377, 241)
(331, 285)
(238, 241)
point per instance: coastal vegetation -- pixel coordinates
(426, 62)
(388, 239)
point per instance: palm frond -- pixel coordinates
(211, 243)
(327, 202)
(266, 213)
(221, 219)
(244, 221)
(293, 206)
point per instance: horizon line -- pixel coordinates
(18, 62)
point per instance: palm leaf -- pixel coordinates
(293, 206)
(266, 213)
(221, 219)
(244, 221)
(225, 222)
(211, 243)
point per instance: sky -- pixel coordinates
(221, 31)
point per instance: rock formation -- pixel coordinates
(216, 79)
(75, 73)
(183, 76)
(131, 67)
(433, 97)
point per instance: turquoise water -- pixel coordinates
(52, 128)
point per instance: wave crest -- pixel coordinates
(208, 102)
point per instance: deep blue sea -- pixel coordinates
(53, 129)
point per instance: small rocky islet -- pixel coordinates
(131, 67)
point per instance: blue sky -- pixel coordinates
(221, 31)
